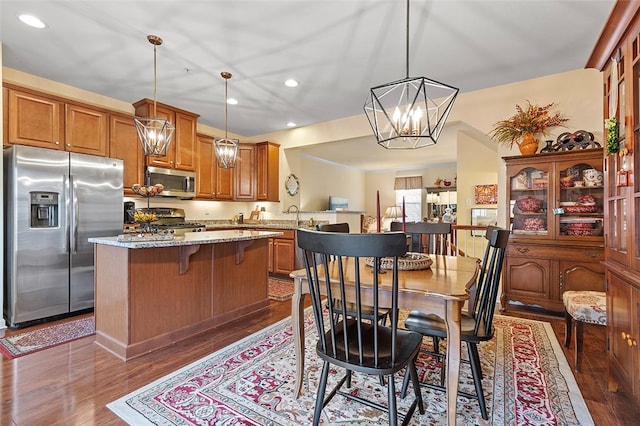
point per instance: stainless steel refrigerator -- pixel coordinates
(55, 201)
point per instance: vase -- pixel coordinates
(529, 144)
(548, 147)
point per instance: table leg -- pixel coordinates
(297, 323)
(453, 358)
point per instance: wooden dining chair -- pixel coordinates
(354, 343)
(427, 237)
(477, 322)
(382, 314)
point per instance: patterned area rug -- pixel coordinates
(280, 289)
(527, 381)
(43, 338)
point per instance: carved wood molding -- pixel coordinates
(240, 248)
(183, 258)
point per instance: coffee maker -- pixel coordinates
(129, 212)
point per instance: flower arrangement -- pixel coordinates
(534, 119)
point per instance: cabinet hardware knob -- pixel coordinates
(57, 143)
(625, 336)
(629, 342)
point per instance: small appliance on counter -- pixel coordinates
(129, 212)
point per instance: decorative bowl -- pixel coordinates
(529, 204)
(409, 262)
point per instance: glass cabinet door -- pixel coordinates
(579, 207)
(529, 194)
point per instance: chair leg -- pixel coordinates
(405, 383)
(476, 371)
(320, 396)
(416, 386)
(391, 397)
(567, 329)
(578, 326)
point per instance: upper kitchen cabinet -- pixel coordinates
(182, 151)
(34, 120)
(39, 120)
(556, 215)
(267, 171)
(86, 130)
(245, 172)
(124, 144)
(211, 182)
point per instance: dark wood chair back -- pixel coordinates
(426, 237)
(333, 227)
(355, 343)
(489, 281)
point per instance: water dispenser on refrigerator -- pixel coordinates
(44, 209)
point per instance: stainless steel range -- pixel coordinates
(171, 221)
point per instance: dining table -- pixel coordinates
(441, 289)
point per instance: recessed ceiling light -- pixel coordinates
(31, 21)
(232, 101)
(291, 124)
(291, 83)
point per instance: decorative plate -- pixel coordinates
(408, 262)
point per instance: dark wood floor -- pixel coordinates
(73, 382)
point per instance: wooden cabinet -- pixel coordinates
(557, 224)
(34, 120)
(124, 144)
(621, 84)
(211, 182)
(267, 171)
(86, 130)
(282, 251)
(182, 151)
(245, 173)
(43, 121)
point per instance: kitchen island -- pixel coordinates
(151, 293)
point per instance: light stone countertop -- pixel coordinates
(133, 241)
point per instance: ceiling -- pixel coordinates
(336, 49)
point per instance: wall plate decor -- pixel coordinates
(486, 194)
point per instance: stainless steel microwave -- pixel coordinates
(177, 183)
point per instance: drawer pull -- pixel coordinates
(522, 250)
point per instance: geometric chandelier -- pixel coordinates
(226, 149)
(155, 134)
(409, 113)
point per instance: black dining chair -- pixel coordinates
(355, 343)
(427, 237)
(477, 322)
(367, 311)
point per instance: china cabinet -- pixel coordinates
(556, 217)
(617, 54)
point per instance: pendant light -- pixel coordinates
(155, 133)
(409, 113)
(226, 149)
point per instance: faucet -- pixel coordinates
(297, 212)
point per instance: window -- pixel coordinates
(410, 188)
(412, 203)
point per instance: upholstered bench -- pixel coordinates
(582, 307)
